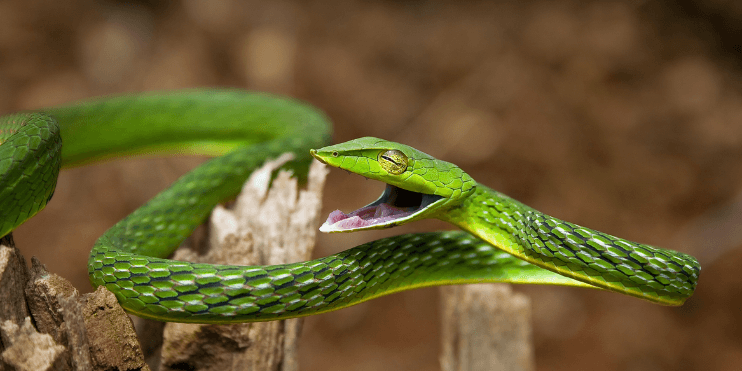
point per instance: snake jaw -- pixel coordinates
(394, 207)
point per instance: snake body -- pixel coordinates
(505, 241)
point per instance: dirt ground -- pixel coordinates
(623, 116)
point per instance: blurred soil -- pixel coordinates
(624, 116)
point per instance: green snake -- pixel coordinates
(503, 240)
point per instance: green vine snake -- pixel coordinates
(503, 240)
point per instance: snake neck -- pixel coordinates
(596, 258)
(493, 217)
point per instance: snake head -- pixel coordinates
(419, 186)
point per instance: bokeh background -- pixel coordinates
(624, 116)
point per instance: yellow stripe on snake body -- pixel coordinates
(247, 128)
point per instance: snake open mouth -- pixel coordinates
(393, 207)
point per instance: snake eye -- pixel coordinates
(335, 154)
(393, 161)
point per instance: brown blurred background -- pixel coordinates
(624, 116)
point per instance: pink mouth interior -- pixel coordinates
(363, 217)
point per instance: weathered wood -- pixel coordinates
(112, 340)
(486, 327)
(93, 332)
(265, 227)
(13, 277)
(28, 350)
(76, 333)
(43, 293)
(70, 333)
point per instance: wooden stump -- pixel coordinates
(486, 327)
(61, 330)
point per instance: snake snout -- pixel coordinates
(314, 154)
